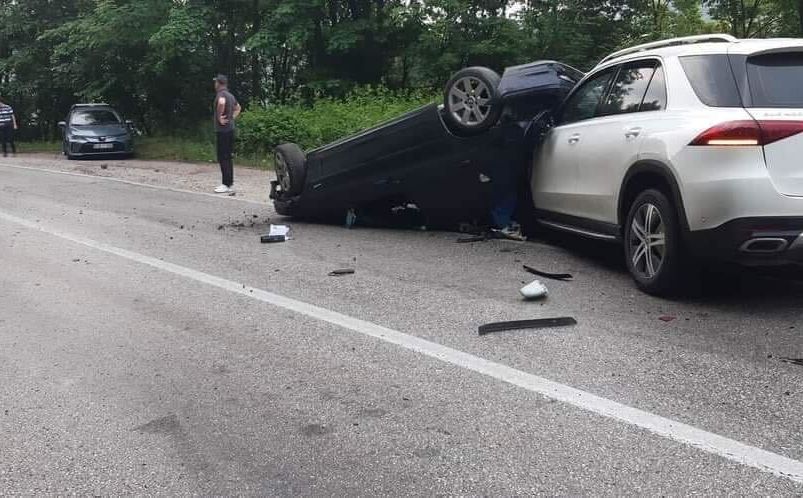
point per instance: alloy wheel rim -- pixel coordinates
(647, 241)
(281, 173)
(470, 101)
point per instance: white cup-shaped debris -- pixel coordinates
(534, 290)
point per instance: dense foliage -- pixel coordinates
(154, 59)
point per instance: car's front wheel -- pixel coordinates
(653, 245)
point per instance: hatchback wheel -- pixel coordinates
(652, 244)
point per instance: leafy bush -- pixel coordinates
(324, 120)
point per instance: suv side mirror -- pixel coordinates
(62, 124)
(129, 123)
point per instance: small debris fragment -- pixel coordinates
(267, 239)
(526, 324)
(534, 290)
(340, 272)
(553, 276)
(667, 318)
(477, 238)
(793, 361)
(104, 166)
(220, 227)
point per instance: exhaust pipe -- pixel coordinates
(764, 245)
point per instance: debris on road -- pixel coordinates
(540, 323)
(667, 318)
(553, 276)
(104, 166)
(793, 361)
(475, 238)
(268, 239)
(277, 233)
(534, 290)
(341, 272)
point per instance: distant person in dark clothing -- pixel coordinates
(8, 123)
(226, 110)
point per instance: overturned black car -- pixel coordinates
(438, 160)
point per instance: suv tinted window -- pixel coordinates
(776, 80)
(584, 102)
(629, 88)
(655, 98)
(712, 79)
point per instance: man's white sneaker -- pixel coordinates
(222, 189)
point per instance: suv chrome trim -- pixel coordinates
(720, 38)
(781, 245)
(579, 231)
(798, 242)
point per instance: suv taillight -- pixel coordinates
(748, 132)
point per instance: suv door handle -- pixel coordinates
(633, 132)
(574, 139)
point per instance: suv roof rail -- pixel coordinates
(720, 38)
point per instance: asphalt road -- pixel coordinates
(149, 344)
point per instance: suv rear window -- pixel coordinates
(712, 79)
(776, 80)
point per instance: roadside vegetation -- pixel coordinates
(311, 72)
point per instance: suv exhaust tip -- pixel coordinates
(764, 245)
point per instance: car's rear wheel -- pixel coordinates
(291, 168)
(653, 245)
(471, 100)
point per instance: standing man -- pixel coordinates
(226, 109)
(8, 123)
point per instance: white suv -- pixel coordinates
(683, 149)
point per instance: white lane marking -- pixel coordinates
(138, 184)
(730, 449)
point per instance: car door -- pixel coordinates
(554, 173)
(612, 140)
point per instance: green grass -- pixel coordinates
(39, 147)
(166, 149)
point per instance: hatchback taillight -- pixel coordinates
(748, 132)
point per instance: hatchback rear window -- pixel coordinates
(712, 79)
(776, 80)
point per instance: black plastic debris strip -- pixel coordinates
(341, 272)
(540, 323)
(475, 238)
(267, 239)
(793, 361)
(553, 276)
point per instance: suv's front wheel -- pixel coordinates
(653, 246)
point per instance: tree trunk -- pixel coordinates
(800, 15)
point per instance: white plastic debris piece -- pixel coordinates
(484, 179)
(279, 230)
(534, 290)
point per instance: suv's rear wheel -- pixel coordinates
(653, 245)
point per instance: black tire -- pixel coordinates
(670, 268)
(471, 101)
(291, 168)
